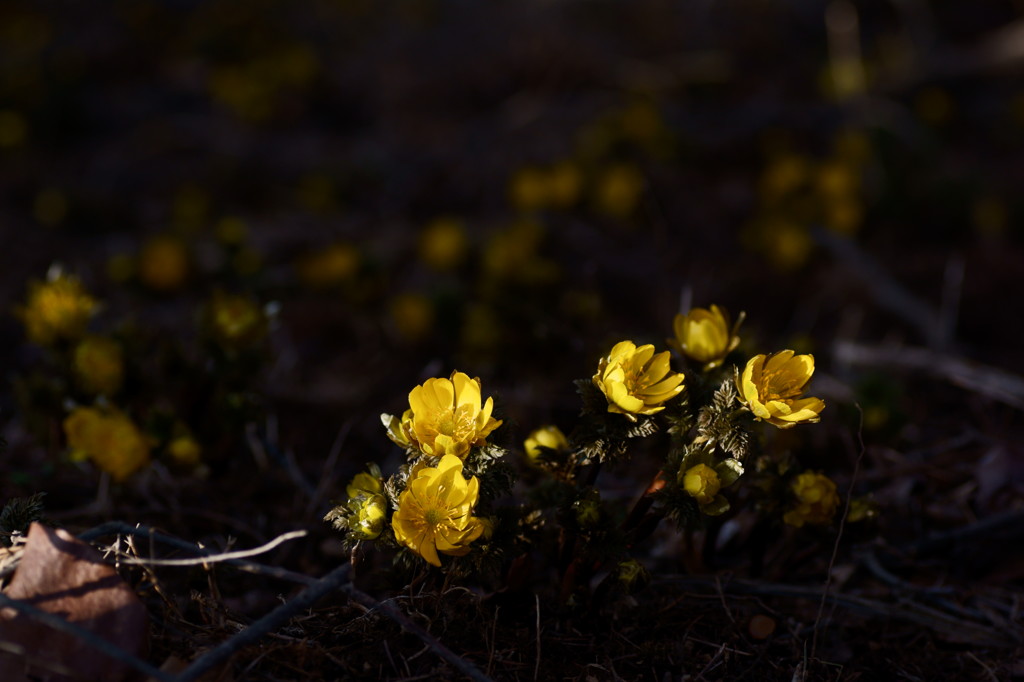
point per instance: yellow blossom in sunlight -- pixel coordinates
(701, 483)
(163, 263)
(235, 320)
(447, 417)
(329, 267)
(99, 365)
(543, 440)
(706, 336)
(364, 483)
(635, 380)
(435, 511)
(816, 497)
(185, 451)
(443, 244)
(618, 190)
(367, 521)
(111, 440)
(57, 309)
(771, 386)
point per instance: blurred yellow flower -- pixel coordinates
(771, 386)
(329, 267)
(13, 128)
(443, 244)
(816, 497)
(527, 189)
(446, 416)
(110, 439)
(435, 511)
(635, 380)
(163, 263)
(235, 320)
(57, 309)
(185, 451)
(701, 483)
(98, 365)
(564, 183)
(618, 190)
(412, 315)
(546, 439)
(706, 335)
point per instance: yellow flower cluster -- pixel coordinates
(706, 336)
(636, 381)
(816, 497)
(435, 512)
(771, 386)
(445, 417)
(58, 309)
(110, 439)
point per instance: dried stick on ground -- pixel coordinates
(990, 382)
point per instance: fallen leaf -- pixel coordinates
(66, 577)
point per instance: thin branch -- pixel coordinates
(991, 382)
(121, 528)
(885, 290)
(92, 639)
(216, 558)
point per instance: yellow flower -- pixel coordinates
(705, 335)
(98, 365)
(618, 190)
(59, 308)
(635, 380)
(367, 522)
(546, 438)
(184, 450)
(364, 484)
(446, 416)
(412, 315)
(235, 320)
(701, 483)
(443, 244)
(435, 511)
(110, 440)
(329, 267)
(771, 387)
(163, 263)
(817, 500)
(527, 189)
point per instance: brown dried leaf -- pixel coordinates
(66, 577)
